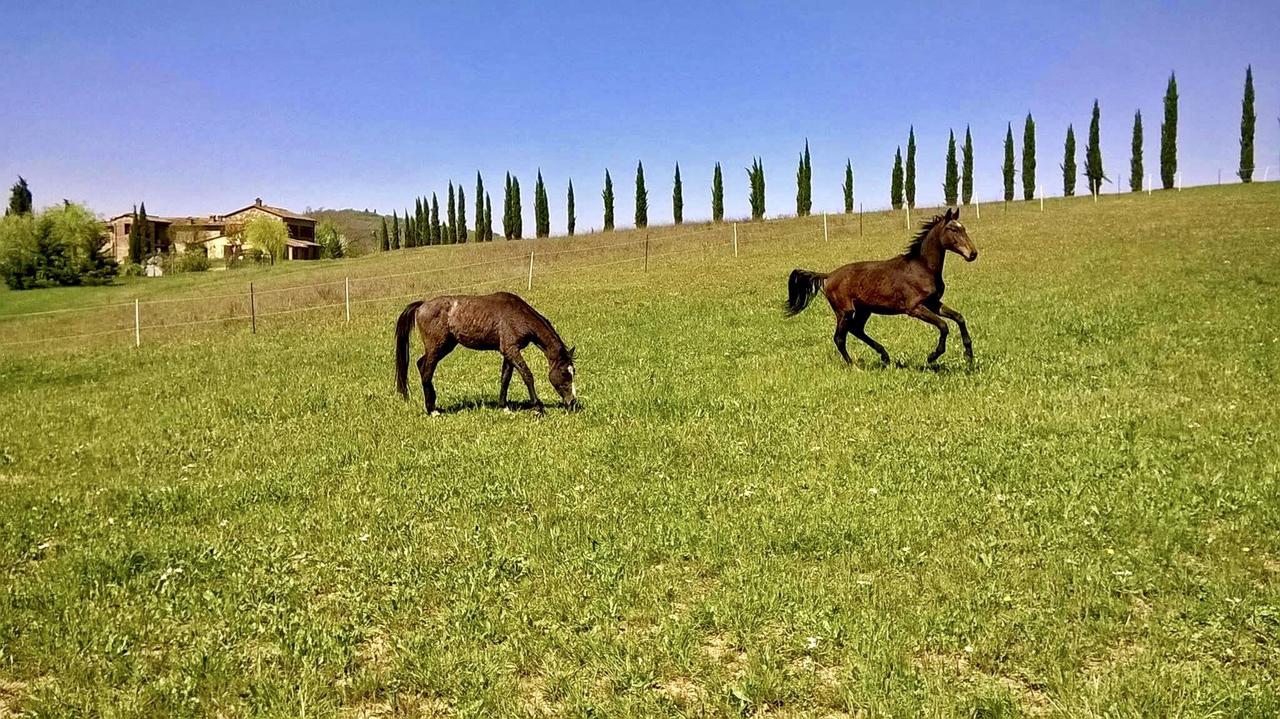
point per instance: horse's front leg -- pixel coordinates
(506, 382)
(927, 315)
(958, 318)
(517, 361)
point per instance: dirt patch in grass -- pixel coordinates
(682, 691)
(1032, 700)
(533, 697)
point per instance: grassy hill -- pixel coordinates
(1086, 522)
(358, 226)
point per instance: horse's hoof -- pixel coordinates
(507, 410)
(434, 413)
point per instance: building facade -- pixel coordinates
(218, 236)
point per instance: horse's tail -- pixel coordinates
(404, 327)
(801, 288)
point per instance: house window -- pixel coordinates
(128, 228)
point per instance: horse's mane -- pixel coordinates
(913, 249)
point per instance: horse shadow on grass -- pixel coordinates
(479, 402)
(939, 368)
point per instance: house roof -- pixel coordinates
(301, 243)
(220, 220)
(150, 218)
(277, 211)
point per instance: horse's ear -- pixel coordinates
(957, 215)
(948, 216)
(572, 350)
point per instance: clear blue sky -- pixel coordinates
(197, 109)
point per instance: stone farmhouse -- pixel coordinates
(215, 235)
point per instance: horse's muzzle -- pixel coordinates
(573, 405)
(972, 257)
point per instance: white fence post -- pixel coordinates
(529, 286)
(346, 296)
(137, 324)
(1148, 184)
(1042, 198)
(825, 236)
(735, 239)
(977, 208)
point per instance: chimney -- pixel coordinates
(257, 201)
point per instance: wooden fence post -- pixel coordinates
(825, 236)
(529, 286)
(860, 213)
(646, 253)
(137, 323)
(735, 239)
(346, 295)
(253, 311)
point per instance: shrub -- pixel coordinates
(61, 246)
(191, 261)
(131, 269)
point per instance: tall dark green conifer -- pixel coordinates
(1168, 135)
(951, 177)
(848, 187)
(1069, 164)
(488, 219)
(966, 168)
(1029, 159)
(419, 223)
(756, 177)
(677, 199)
(642, 198)
(909, 179)
(452, 234)
(1135, 158)
(1247, 119)
(517, 207)
(19, 198)
(135, 239)
(607, 196)
(804, 184)
(1093, 153)
(571, 210)
(480, 233)
(895, 186)
(437, 237)
(541, 208)
(462, 214)
(408, 229)
(384, 240)
(508, 224)
(1008, 162)
(717, 195)
(148, 232)
(393, 242)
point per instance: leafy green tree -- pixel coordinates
(951, 177)
(437, 235)
(19, 198)
(1093, 153)
(804, 184)
(756, 177)
(64, 245)
(607, 196)
(717, 195)
(1008, 163)
(269, 235)
(573, 215)
(480, 234)
(1168, 135)
(1247, 119)
(462, 215)
(677, 199)
(848, 187)
(1069, 164)
(966, 173)
(1135, 159)
(136, 248)
(541, 209)
(453, 217)
(895, 186)
(1029, 159)
(332, 243)
(909, 179)
(642, 198)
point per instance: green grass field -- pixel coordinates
(1087, 523)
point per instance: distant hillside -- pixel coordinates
(358, 225)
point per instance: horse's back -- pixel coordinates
(881, 286)
(478, 321)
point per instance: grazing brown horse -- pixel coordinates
(501, 321)
(910, 284)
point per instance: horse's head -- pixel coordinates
(561, 376)
(956, 238)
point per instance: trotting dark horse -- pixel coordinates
(501, 321)
(910, 284)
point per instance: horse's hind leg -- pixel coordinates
(927, 315)
(958, 318)
(427, 368)
(842, 329)
(858, 326)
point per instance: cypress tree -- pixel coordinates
(384, 241)
(418, 224)
(572, 212)
(462, 214)
(408, 229)
(677, 199)
(966, 169)
(135, 239)
(1008, 162)
(508, 224)
(517, 208)
(1029, 159)
(895, 187)
(488, 219)
(393, 242)
(848, 187)
(1168, 135)
(541, 209)
(756, 177)
(19, 198)
(1093, 153)
(909, 179)
(148, 236)
(1069, 164)
(1247, 119)
(951, 179)
(804, 184)
(436, 237)
(452, 236)
(607, 196)
(480, 235)
(717, 195)
(642, 198)
(1135, 160)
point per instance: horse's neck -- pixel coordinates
(932, 253)
(545, 337)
